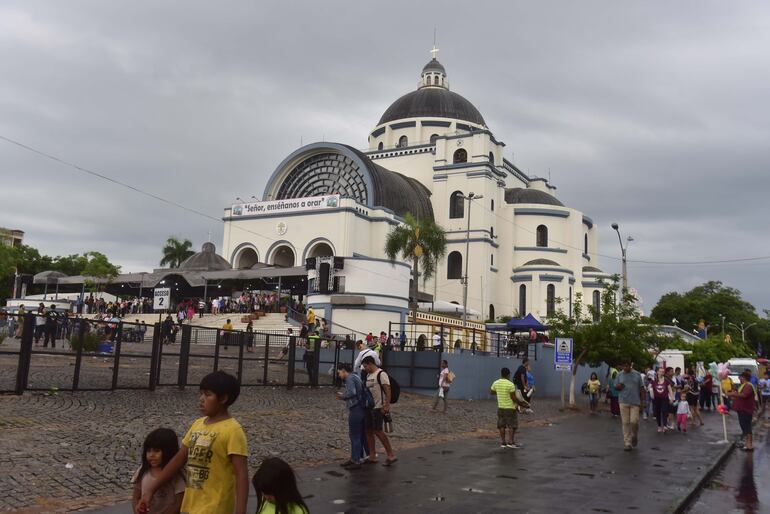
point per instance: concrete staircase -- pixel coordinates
(270, 323)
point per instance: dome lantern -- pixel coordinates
(433, 74)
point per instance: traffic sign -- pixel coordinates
(562, 354)
(161, 298)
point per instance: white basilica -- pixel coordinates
(430, 149)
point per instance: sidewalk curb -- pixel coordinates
(681, 505)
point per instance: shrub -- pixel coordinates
(90, 341)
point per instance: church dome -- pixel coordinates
(521, 195)
(433, 99)
(206, 260)
(433, 102)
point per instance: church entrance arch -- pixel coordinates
(246, 258)
(320, 249)
(283, 256)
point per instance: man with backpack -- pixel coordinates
(383, 392)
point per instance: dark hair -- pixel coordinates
(276, 478)
(524, 361)
(368, 360)
(746, 375)
(505, 372)
(163, 439)
(669, 368)
(678, 369)
(594, 375)
(444, 361)
(345, 366)
(221, 383)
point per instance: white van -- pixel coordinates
(739, 365)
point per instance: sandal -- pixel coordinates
(390, 462)
(369, 461)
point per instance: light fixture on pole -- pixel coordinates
(469, 198)
(743, 328)
(623, 254)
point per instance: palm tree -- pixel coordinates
(421, 241)
(175, 252)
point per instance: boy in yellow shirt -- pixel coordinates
(215, 452)
(507, 398)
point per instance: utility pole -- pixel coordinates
(743, 328)
(624, 255)
(469, 198)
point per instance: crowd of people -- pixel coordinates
(676, 399)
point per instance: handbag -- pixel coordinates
(450, 377)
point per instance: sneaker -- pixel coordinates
(503, 446)
(644, 417)
(513, 446)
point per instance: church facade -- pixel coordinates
(430, 151)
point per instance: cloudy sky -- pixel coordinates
(652, 114)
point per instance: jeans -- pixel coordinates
(446, 393)
(356, 432)
(629, 415)
(660, 408)
(704, 399)
(593, 400)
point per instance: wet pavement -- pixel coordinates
(575, 465)
(742, 484)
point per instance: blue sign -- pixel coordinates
(562, 354)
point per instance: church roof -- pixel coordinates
(434, 65)
(541, 262)
(205, 260)
(332, 168)
(432, 102)
(397, 192)
(591, 269)
(522, 195)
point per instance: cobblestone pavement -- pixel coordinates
(70, 451)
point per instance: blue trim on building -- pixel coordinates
(378, 132)
(532, 268)
(328, 307)
(436, 123)
(359, 257)
(538, 249)
(571, 280)
(394, 297)
(474, 240)
(536, 211)
(403, 124)
(463, 165)
(587, 257)
(588, 221)
(316, 213)
(551, 278)
(597, 285)
(493, 269)
(521, 278)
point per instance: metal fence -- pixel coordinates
(97, 355)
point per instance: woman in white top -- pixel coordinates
(443, 385)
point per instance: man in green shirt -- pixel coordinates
(507, 398)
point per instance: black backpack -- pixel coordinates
(395, 389)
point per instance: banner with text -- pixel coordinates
(312, 203)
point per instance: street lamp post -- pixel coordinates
(743, 328)
(623, 254)
(469, 198)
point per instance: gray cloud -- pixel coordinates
(651, 115)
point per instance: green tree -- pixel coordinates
(620, 332)
(175, 252)
(715, 349)
(99, 270)
(423, 242)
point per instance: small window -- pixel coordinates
(585, 244)
(491, 157)
(491, 313)
(403, 142)
(492, 232)
(492, 260)
(542, 236)
(597, 301)
(430, 80)
(522, 300)
(492, 205)
(550, 302)
(460, 156)
(380, 146)
(433, 138)
(454, 268)
(457, 205)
